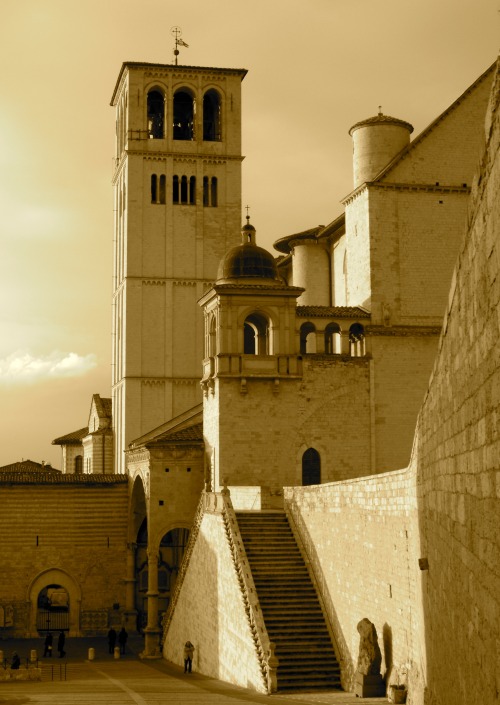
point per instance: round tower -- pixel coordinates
(376, 141)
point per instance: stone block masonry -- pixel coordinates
(210, 612)
(69, 530)
(359, 536)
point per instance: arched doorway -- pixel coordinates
(53, 609)
(55, 599)
(172, 547)
(311, 467)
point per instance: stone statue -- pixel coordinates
(368, 681)
(369, 658)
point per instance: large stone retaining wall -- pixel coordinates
(456, 460)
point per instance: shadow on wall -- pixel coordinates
(387, 641)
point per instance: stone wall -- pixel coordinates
(456, 461)
(360, 539)
(418, 551)
(210, 612)
(261, 435)
(71, 529)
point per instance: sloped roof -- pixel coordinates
(54, 477)
(382, 119)
(72, 438)
(166, 432)
(420, 137)
(103, 405)
(28, 466)
(191, 433)
(332, 312)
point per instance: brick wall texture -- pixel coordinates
(76, 530)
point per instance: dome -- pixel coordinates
(381, 119)
(248, 261)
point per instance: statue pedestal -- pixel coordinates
(371, 686)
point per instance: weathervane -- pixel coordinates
(177, 33)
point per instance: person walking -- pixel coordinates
(48, 645)
(16, 661)
(122, 639)
(60, 644)
(188, 656)
(111, 640)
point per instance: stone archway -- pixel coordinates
(55, 576)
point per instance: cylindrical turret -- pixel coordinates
(376, 141)
(311, 270)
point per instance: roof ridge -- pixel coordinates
(423, 134)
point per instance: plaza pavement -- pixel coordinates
(132, 681)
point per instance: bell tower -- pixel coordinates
(177, 202)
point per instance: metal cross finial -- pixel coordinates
(177, 33)
(248, 216)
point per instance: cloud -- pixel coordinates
(24, 368)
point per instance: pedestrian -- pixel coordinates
(111, 640)
(16, 661)
(48, 645)
(122, 639)
(60, 644)
(188, 656)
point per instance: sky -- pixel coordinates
(315, 67)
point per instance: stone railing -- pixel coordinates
(264, 647)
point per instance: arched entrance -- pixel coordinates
(55, 599)
(311, 467)
(171, 552)
(53, 609)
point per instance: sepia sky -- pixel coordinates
(315, 68)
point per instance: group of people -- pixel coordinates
(122, 640)
(61, 640)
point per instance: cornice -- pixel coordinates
(430, 188)
(403, 331)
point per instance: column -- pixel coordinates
(152, 631)
(130, 612)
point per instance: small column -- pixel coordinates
(152, 631)
(130, 612)
(345, 345)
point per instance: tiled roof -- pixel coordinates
(192, 433)
(102, 405)
(332, 312)
(381, 119)
(54, 477)
(73, 437)
(28, 466)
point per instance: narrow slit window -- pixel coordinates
(192, 190)
(206, 201)
(213, 192)
(163, 188)
(175, 189)
(154, 188)
(184, 189)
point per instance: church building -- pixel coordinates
(254, 483)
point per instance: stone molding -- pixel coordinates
(430, 188)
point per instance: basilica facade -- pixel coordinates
(250, 383)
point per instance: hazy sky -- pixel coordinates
(315, 68)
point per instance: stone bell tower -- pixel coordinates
(177, 202)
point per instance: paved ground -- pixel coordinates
(131, 681)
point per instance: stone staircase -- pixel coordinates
(289, 603)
